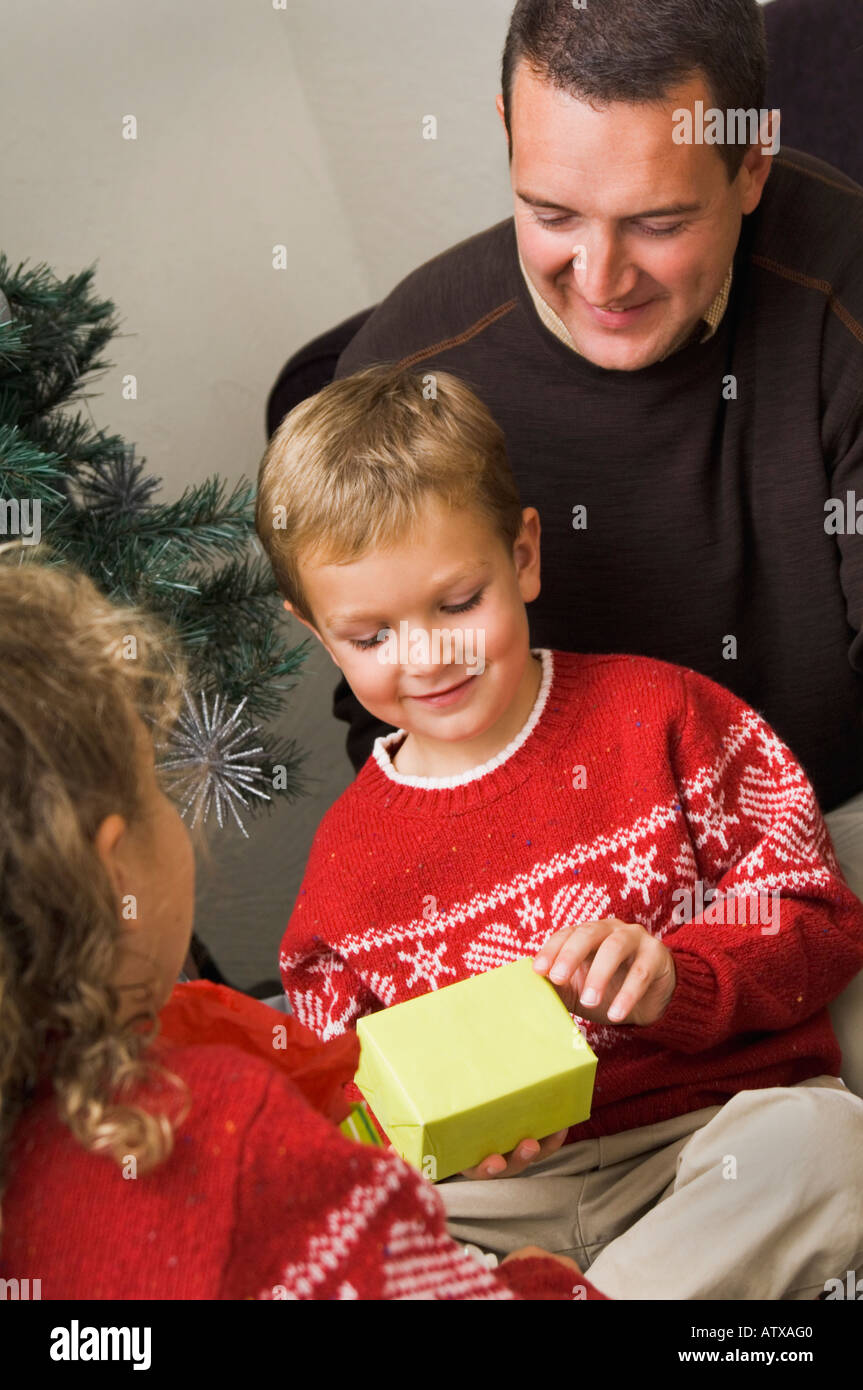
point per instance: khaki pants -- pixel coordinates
(759, 1198)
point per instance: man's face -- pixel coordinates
(658, 221)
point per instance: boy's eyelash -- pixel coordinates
(648, 231)
(465, 607)
(363, 644)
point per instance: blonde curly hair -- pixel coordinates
(71, 707)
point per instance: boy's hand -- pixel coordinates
(521, 1157)
(630, 972)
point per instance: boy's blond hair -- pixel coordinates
(348, 469)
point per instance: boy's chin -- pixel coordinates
(459, 727)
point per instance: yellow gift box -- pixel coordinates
(471, 1069)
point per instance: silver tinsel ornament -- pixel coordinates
(208, 767)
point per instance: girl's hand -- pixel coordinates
(521, 1157)
(609, 971)
(529, 1252)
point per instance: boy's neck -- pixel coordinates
(418, 756)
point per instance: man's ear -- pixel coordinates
(498, 101)
(753, 172)
(526, 555)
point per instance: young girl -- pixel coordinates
(130, 1168)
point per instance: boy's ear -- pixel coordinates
(289, 608)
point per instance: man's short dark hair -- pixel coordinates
(639, 50)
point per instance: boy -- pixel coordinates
(631, 824)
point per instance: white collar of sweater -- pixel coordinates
(384, 741)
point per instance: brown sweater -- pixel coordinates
(705, 516)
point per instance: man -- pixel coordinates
(670, 336)
(670, 333)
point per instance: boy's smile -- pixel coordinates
(449, 695)
(456, 588)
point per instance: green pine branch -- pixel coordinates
(191, 562)
(26, 471)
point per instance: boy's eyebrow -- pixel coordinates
(359, 615)
(672, 210)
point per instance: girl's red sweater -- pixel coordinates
(261, 1198)
(635, 789)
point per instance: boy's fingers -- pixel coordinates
(550, 949)
(522, 1156)
(524, 1153)
(647, 967)
(611, 954)
(530, 1150)
(490, 1167)
(566, 949)
(552, 1142)
(607, 961)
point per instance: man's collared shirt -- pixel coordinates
(711, 318)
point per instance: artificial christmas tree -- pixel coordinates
(195, 562)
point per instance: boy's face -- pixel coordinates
(452, 576)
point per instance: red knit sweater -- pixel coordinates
(261, 1198)
(415, 883)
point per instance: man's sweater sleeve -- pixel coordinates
(755, 829)
(319, 1217)
(842, 432)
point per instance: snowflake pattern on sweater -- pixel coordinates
(679, 787)
(261, 1198)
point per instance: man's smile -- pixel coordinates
(618, 318)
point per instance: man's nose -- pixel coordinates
(603, 275)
